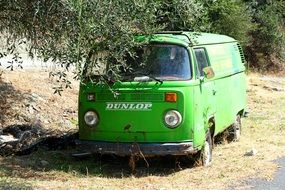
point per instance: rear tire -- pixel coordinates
(235, 130)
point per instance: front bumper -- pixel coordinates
(127, 149)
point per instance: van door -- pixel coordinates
(207, 86)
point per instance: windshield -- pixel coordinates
(161, 61)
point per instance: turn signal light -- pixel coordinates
(170, 97)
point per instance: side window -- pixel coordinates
(202, 61)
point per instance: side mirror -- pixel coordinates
(209, 72)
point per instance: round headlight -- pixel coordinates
(91, 118)
(172, 118)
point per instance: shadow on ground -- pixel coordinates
(12, 185)
(39, 163)
(8, 96)
(27, 138)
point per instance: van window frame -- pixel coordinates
(197, 69)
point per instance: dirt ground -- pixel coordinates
(27, 97)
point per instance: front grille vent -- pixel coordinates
(131, 97)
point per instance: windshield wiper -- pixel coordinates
(147, 78)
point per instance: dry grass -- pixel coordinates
(29, 99)
(263, 130)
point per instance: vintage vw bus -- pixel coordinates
(191, 88)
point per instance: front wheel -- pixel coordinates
(204, 156)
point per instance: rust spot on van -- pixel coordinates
(127, 128)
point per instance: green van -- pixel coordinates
(190, 88)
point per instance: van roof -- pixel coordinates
(196, 38)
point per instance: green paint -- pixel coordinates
(198, 99)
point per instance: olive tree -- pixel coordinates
(68, 32)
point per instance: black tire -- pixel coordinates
(235, 130)
(204, 156)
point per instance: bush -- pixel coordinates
(266, 49)
(229, 17)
